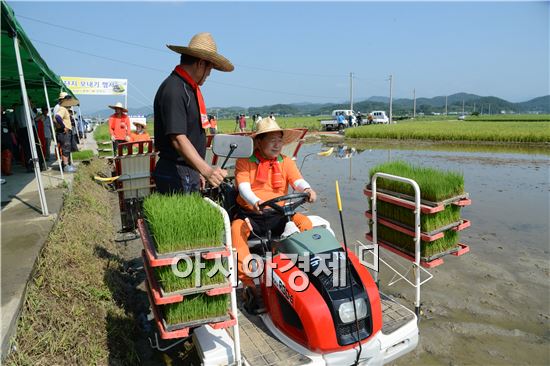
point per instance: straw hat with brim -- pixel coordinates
(62, 95)
(143, 124)
(119, 105)
(69, 102)
(267, 125)
(203, 46)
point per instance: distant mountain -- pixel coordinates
(104, 113)
(401, 106)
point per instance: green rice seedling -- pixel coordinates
(182, 222)
(83, 155)
(428, 223)
(196, 307)
(518, 131)
(170, 282)
(427, 249)
(435, 185)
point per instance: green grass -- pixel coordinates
(181, 222)
(510, 117)
(427, 249)
(75, 306)
(435, 185)
(196, 307)
(83, 155)
(428, 223)
(171, 283)
(535, 132)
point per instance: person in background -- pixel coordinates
(48, 133)
(141, 134)
(242, 123)
(213, 124)
(119, 126)
(64, 134)
(350, 120)
(40, 137)
(272, 116)
(341, 121)
(181, 119)
(22, 134)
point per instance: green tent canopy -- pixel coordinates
(34, 67)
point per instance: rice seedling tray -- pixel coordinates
(426, 262)
(426, 207)
(161, 297)
(182, 330)
(424, 236)
(156, 259)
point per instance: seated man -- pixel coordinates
(263, 176)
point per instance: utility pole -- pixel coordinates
(446, 105)
(462, 106)
(474, 107)
(489, 109)
(391, 100)
(414, 103)
(351, 91)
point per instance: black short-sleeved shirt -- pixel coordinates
(177, 113)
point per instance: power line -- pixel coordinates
(170, 52)
(164, 71)
(96, 35)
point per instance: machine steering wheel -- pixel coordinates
(289, 207)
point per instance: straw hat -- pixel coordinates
(269, 125)
(119, 105)
(68, 101)
(203, 46)
(62, 95)
(144, 123)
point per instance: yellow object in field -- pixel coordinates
(338, 200)
(105, 179)
(326, 153)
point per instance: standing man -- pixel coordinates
(181, 119)
(119, 126)
(64, 131)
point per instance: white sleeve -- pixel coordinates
(301, 185)
(245, 190)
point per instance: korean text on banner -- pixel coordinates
(96, 86)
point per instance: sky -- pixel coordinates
(288, 52)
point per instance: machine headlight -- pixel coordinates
(346, 310)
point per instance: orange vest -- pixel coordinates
(139, 136)
(119, 126)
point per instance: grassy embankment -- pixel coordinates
(477, 131)
(72, 312)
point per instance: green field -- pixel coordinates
(514, 131)
(83, 155)
(495, 128)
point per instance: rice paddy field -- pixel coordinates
(477, 131)
(182, 222)
(489, 306)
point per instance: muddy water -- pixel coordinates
(492, 305)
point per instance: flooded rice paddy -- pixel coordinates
(492, 305)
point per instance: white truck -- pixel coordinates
(332, 124)
(378, 117)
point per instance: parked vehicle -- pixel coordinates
(332, 124)
(379, 117)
